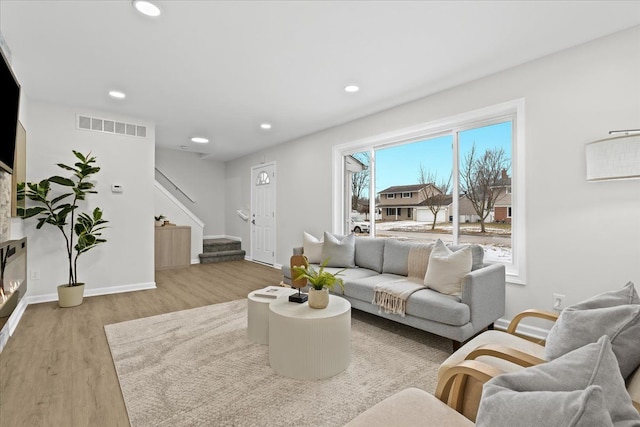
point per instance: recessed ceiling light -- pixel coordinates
(147, 8)
(351, 88)
(199, 140)
(265, 125)
(117, 94)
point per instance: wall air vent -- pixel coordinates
(110, 126)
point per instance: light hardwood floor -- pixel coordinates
(56, 370)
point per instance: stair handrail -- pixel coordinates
(179, 204)
(175, 185)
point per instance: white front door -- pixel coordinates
(263, 213)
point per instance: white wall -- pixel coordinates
(582, 238)
(127, 258)
(202, 180)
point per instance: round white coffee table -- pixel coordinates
(258, 311)
(307, 343)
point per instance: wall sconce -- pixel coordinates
(617, 157)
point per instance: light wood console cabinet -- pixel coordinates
(172, 246)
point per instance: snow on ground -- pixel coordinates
(426, 226)
(408, 225)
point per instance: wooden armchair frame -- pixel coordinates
(452, 386)
(551, 316)
(517, 356)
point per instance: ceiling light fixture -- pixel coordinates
(265, 125)
(199, 140)
(117, 94)
(147, 8)
(351, 88)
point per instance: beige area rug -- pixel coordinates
(198, 368)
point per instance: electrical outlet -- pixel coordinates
(558, 302)
(35, 274)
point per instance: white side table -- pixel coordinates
(258, 311)
(307, 343)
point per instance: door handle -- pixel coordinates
(253, 221)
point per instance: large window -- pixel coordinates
(465, 177)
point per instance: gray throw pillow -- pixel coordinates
(508, 408)
(370, 252)
(339, 251)
(538, 395)
(615, 313)
(396, 257)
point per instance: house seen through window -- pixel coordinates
(454, 186)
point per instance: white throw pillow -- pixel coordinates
(312, 248)
(447, 268)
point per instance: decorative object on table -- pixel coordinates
(321, 282)
(272, 292)
(298, 261)
(57, 210)
(159, 219)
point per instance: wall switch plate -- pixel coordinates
(116, 188)
(35, 275)
(558, 302)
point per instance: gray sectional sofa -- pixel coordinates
(380, 260)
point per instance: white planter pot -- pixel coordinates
(70, 296)
(318, 299)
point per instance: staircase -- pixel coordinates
(220, 250)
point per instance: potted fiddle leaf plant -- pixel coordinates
(320, 281)
(60, 209)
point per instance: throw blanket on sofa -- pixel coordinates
(392, 296)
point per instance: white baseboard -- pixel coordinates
(10, 327)
(36, 299)
(195, 261)
(530, 331)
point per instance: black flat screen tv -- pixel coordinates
(10, 105)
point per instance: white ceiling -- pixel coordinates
(221, 68)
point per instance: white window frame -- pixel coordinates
(406, 197)
(391, 195)
(516, 269)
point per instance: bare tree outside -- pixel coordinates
(479, 175)
(435, 199)
(360, 180)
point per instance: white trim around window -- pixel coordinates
(391, 195)
(516, 270)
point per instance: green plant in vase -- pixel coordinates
(81, 231)
(321, 282)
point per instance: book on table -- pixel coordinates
(272, 292)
